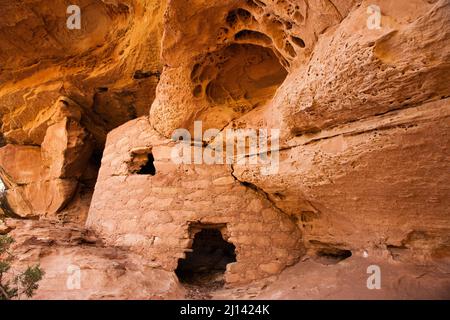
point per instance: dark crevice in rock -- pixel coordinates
(260, 192)
(2, 139)
(328, 253)
(142, 162)
(139, 74)
(332, 255)
(149, 167)
(298, 41)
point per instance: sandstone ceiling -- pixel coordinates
(363, 115)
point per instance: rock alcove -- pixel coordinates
(206, 263)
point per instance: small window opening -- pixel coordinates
(142, 162)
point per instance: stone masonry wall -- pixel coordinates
(151, 214)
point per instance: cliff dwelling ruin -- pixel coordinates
(210, 254)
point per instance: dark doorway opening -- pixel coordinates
(205, 265)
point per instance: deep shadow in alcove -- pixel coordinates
(206, 264)
(149, 166)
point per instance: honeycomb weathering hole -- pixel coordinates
(205, 265)
(241, 76)
(330, 255)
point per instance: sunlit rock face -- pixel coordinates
(358, 91)
(89, 81)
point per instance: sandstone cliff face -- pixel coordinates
(364, 159)
(96, 78)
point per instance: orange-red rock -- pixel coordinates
(364, 158)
